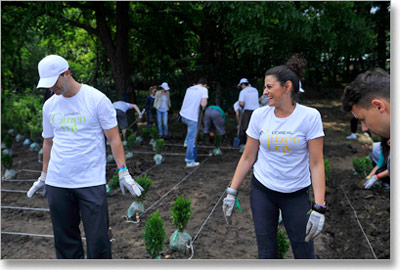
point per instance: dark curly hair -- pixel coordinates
(292, 71)
(366, 87)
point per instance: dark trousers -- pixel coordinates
(244, 123)
(67, 207)
(265, 205)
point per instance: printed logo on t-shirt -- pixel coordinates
(278, 140)
(68, 121)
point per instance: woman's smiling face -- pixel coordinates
(274, 90)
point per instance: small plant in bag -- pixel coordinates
(154, 235)
(159, 148)
(217, 145)
(181, 211)
(137, 206)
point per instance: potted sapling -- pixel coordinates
(130, 144)
(181, 211)
(159, 148)
(154, 235)
(362, 166)
(217, 145)
(7, 162)
(137, 207)
(8, 141)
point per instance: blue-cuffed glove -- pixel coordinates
(315, 225)
(126, 181)
(40, 183)
(370, 181)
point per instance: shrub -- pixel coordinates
(34, 133)
(283, 244)
(328, 169)
(131, 141)
(154, 133)
(145, 182)
(8, 141)
(6, 160)
(181, 211)
(128, 132)
(154, 235)
(159, 146)
(362, 166)
(217, 140)
(145, 132)
(114, 182)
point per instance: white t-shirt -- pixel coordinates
(249, 96)
(122, 105)
(191, 102)
(283, 159)
(78, 155)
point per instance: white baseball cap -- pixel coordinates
(165, 86)
(243, 80)
(50, 68)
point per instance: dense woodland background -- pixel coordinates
(123, 48)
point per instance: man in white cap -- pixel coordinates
(75, 121)
(248, 99)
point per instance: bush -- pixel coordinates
(146, 132)
(6, 160)
(131, 141)
(283, 244)
(35, 133)
(8, 141)
(328, 169)
(181, 211)
(145, 182)
(154, 235)
(159, 146)
(128, 132)
(154, 133)
(362, 166)
(114, 182)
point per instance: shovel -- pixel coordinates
(136, 119)
(236, 140)
(197, 133)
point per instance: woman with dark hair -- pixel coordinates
(285, 140)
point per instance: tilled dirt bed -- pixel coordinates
(357, 221)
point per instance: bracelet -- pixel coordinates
(377, 176)
(319, 208)
(123, 168)
(232, 191)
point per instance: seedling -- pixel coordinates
(217, 144)
(181, 211)
(362, 166)
(6, 160)
(154, 235)
(159, 148)
(137, 206)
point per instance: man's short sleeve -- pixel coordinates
(205, 93)
(241, 96)
(47, 127)
(106, 113)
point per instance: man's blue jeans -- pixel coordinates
(162, 120)
(149, 116)
(190, 138)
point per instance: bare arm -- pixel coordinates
(317, 168)
(241, 103)
(203, 103)
(246, 162)
(47, 145)
(134, 106)
(373, 171)
(117, 149)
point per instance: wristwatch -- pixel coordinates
(319, 208)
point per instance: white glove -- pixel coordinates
(140, 116)
(370, 181)
(40, 183)
(126, 180)
(315, 225)
(227, 206)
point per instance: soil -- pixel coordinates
(341, 238)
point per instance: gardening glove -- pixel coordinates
(229, 203)
(370, 181)
(126, 181)
(314, 225)
(40, 183)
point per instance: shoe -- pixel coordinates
(185, 144)
(352, 136)
(192, 164)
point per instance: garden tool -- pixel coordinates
(197, 133)
(236, 140)
(140, 117)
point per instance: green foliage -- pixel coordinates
(35, 133)
(128, 132)
(145, 132)
(6, 160)
(181, 211)
(154, 235)
(114, 182)
(283, 244)
(328, 169)
(154, 133)
(159, 146)
(217, 140)
(145, 182)
(362, 166)
(8, 141)
(131, 141)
